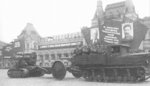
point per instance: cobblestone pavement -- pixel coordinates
(47, 80)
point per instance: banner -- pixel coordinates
(111, 32)
(127, 31)
(94, 35)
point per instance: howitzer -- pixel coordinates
(25, 67)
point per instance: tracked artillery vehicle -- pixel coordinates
(111, 47)
(111, 63)
(24, 66)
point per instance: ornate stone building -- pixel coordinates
(26, 42)
(30, 38)
(58, 47)
(116, 16)
(118, 24)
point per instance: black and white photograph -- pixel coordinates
(74, 42)
(127, 31)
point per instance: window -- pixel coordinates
(27, 46)
(59, 55)
(46, 56)
(41, 57)
(53, 56)
(66, 55)
(35, 46)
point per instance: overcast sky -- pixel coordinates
(52, 17)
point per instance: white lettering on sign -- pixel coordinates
(60, 45)
(8, 49)
(17, 44)
(111, 34)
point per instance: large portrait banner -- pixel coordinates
(127, 31)
(95, 35)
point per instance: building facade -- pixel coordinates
(26, 42)
(49, 49)
(118, 24)
(56, 48)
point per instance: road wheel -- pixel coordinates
(59, 71)
(13, 73)
(77, 75)
(17, 73)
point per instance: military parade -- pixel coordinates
(115, 48)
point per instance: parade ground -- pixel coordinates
(48, 80)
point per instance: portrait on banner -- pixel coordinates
(127, 31)
(94, 35)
